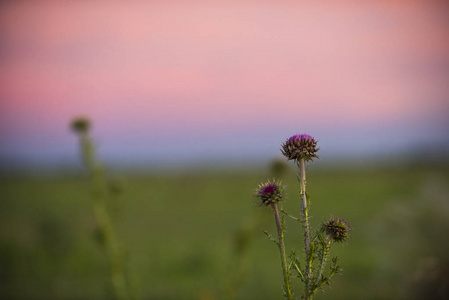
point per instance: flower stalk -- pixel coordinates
(270, 193)
(305, 222)
(99, 198)
(285, 272)
(326, 247)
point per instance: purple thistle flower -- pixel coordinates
(300, 146)
(337, 229)
(269, 192)
(300, 137)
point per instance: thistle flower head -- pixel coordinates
(80, 125)
(270, 192)
(300, 146)
(337, 229)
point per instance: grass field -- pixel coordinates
(179, 232)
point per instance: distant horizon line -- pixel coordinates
(437, 156)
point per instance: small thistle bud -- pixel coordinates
(270, 192)
(300, 146)
(80, 125)
(337, 229)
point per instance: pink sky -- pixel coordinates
(164, 68)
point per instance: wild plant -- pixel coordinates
(243, 239)
(104, 195)
(312, 271)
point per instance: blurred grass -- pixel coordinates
(178, 231)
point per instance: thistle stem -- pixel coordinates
(305, 223)
(99, 195)
(324, 258)
(281, 245)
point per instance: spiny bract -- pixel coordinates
(337, 229)
(270, 191)
(300, 146)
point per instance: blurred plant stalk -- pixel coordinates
(100, 194)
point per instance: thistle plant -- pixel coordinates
(102, 191)
(270, 193)
(313, 271)
(243, 239)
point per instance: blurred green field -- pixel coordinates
(179, 232)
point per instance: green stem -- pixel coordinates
(282, 251)
(325, 256)
(99, 194)
(321, 281)
(305, 223)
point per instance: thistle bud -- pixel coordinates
(337, 229)
(300, 146)
(80, 125)
(270, 192)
